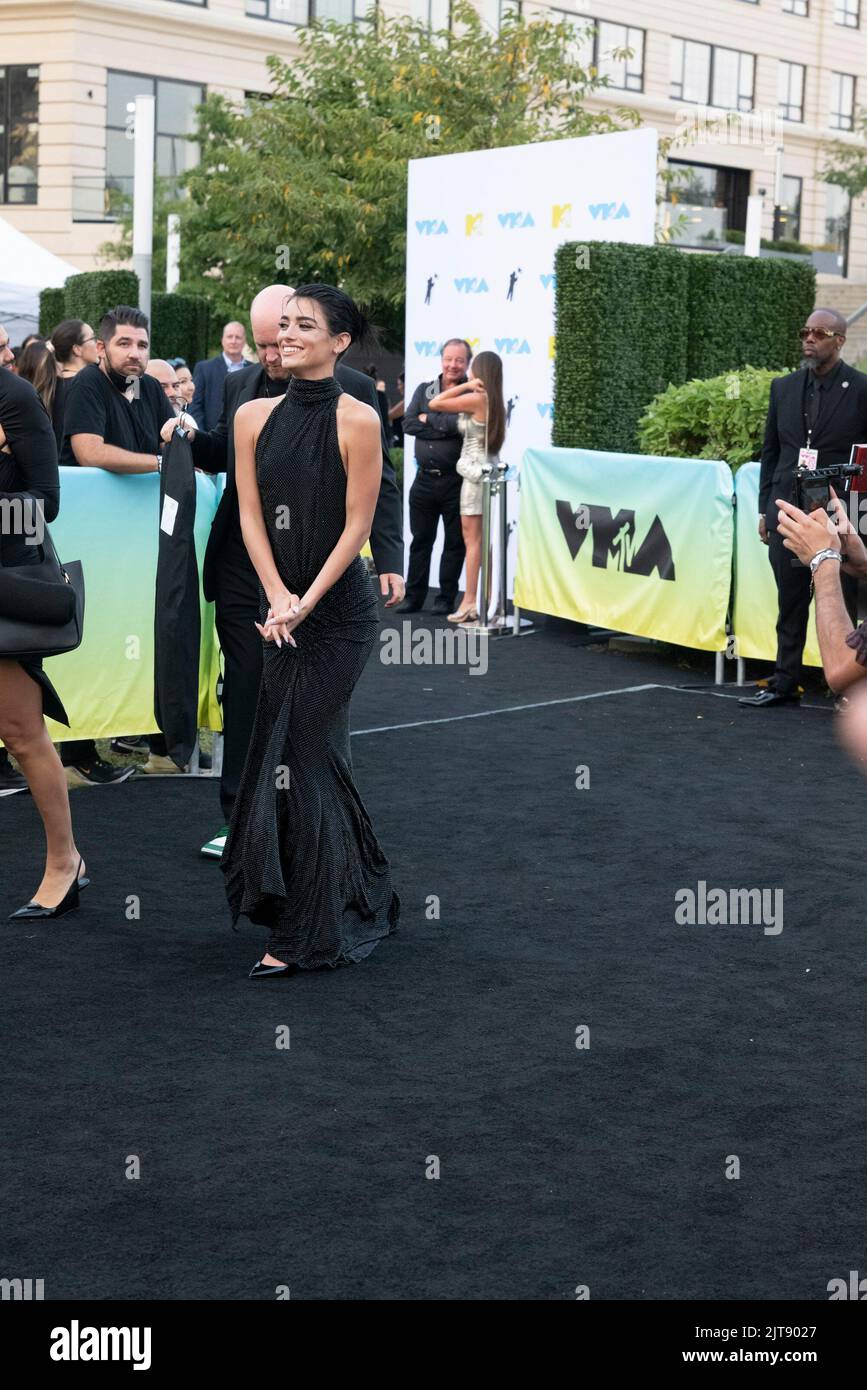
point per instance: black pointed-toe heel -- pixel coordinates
(68, 903)
(268, 972)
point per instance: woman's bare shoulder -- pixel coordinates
(255, 412)
(358, 414)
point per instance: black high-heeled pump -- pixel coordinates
(68, 903)
(268, 972)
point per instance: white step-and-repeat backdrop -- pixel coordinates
(482, 229)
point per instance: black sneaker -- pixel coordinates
(10, 780)
(98, 773)
(130, 743)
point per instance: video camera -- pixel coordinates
(813, 485)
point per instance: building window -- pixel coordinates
(801, 7)
(509, 9)
(848, 13)
(790, 90)
(303, 12)
(721, 77)
(837, 215)
(19, 134)
(842, 101)
(788, 225)
(175, 116)
(713, 200)
(611, 41)
(201, 3)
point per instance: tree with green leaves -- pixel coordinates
(846, 164)
(309, 182)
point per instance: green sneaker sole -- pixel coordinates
(214, 848)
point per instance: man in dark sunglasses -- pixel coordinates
(815, 415)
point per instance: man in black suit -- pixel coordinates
(209, 377)
(822, 407)
(228, 577)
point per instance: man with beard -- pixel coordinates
(815, 415)
(112, 420)
(228, 577)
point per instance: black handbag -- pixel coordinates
(41, 606)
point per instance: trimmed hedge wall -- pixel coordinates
(180, 326)
(52, 310)
(746, 312)
(633, 320)
(91, 294)
(622, 331)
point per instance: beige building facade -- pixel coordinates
(795, 71)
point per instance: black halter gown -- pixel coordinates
(301, 856)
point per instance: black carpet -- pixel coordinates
(454, 1043)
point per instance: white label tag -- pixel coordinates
(808, 458)
(170, 511)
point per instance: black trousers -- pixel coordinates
(793, 611)
(236, 610)
(429, 499)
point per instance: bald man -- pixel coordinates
(822, 408)
(228, 576)
(209, 377)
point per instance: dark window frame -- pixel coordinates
(790, 105)
(149, 77)
(361, 6)
(708, 101)
(789, 7)
(847, 15)
(6, 127)
(843, 120)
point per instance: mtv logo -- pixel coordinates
(608, 212)
(545, 409)
(552, 347)
(473, 223)
(469, 285)
(512, 347)
(431, 227)
(473, 342)
(561, 215)
(426, 349)
(511, 220)
(548, 281)
(614, 538)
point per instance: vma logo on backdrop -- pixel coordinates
(471, 286)
(614, 538)
(561, 215)
(431, 227)
(426, 349)
(474, 223)
(608, 212)
(512, 220)
(548, 281)
(512, 347)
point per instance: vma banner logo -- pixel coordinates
(511, 347)
(614, 537)
(426, 349)
(431, 227)
(512, 220)
(608, 212)
(471, 286)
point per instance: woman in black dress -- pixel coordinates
(28, 464)
(301, 856)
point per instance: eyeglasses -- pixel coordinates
(85, 341)
(804, 333)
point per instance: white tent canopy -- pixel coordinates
(25, 269)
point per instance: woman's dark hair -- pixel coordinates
(488, 367)
(342, 314)
(178, 362)
(65, 337)
(36, 364)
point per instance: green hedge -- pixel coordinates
(746, 312)
(621, 334)
(722, 418)
(90, 295)
(52, 310)
(180, 326)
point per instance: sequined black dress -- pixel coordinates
(301, 856)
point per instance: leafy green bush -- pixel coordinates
(719, 418)
(90, 295)
(746, 312)
(621, 332)
(797, 248)
(396, 456)
(52, 309)
(179, 326)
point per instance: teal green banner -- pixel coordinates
(638, 544)
(111, 523)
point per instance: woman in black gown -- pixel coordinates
(28, 464)
(301, 856)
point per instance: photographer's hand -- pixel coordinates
(806, 535)
(763, 531)
(854, 550)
